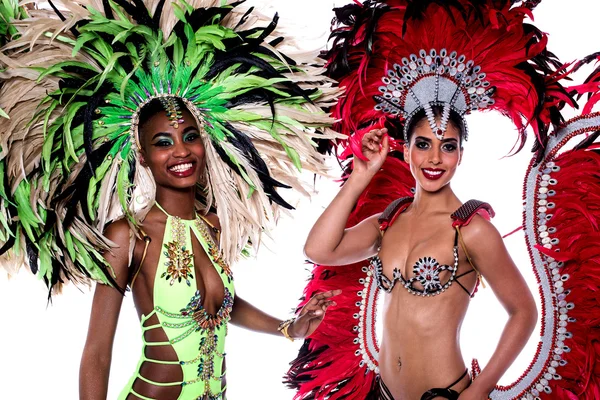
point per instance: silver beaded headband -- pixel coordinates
(433, 79)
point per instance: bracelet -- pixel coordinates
(283, 328)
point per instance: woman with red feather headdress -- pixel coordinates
(416, 68)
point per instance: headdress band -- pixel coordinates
(434, 79)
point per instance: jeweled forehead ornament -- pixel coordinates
(434, 79)
(173, 111)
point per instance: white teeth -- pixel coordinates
(181, 167)
(433, 172)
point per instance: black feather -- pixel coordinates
(245, 147)
(73, 30)
(76, 193)
(108, 11)
(158, 13)
(139, 12)
(588, 141)
(32, 255)
(89, 115)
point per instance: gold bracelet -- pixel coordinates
(283, 328)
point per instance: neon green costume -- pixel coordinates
(197, 337)
(77, 78)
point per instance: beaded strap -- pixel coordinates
(389, 214)
(467, 211)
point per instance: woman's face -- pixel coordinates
(432, 161)
(175, 155)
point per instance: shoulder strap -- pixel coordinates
(391, 212)
(462, 217)
(138, 267)
(216, 231)
(467, 211)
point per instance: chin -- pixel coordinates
(178, 184)
(433, 187)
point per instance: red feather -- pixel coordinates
(512, 54)
(577, 221)
(329, 367)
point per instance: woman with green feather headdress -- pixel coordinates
(146, 143)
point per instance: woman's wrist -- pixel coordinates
(482, 386)
(360, 179)
(286, 329)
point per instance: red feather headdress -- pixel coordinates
(397, 57)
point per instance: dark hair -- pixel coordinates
(154, 107)
(455, 119)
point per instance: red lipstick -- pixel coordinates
(433, 174)
(183, 170)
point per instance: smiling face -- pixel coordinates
(174, 153)
(432, 161)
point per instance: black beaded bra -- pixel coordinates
(427, 270)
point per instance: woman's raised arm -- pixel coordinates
(329, 243)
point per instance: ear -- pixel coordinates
(142, 159)
(460, 155)
(406, 153)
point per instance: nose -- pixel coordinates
(181, 149)
(435, 156)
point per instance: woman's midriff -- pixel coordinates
(420, 347)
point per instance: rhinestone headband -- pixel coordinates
(433, 79)
(173, 111)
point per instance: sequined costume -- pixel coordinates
(400, 60)
(427, 270)
(197, 337)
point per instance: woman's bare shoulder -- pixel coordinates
(481, 234)
(213, 219)
(118, 232)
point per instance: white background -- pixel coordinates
(40, 345)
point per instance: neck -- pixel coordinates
(432, 202)
(178, 203)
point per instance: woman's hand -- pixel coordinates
(375, 147)
(312, 314)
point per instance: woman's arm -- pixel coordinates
(329, 243)
(97, 353)
(247, 316)
(490, 256)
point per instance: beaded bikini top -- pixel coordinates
(427, 270)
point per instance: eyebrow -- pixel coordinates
(161, 134)
(443, 141)
(186, 130)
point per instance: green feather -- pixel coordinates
(27, 217)
(123, 186)
(68, 137)
(56, 68)
(70, 246)
(45, 257)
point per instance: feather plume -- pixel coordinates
(75, 81)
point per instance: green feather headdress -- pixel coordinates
(76, 81)
(10, 11)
